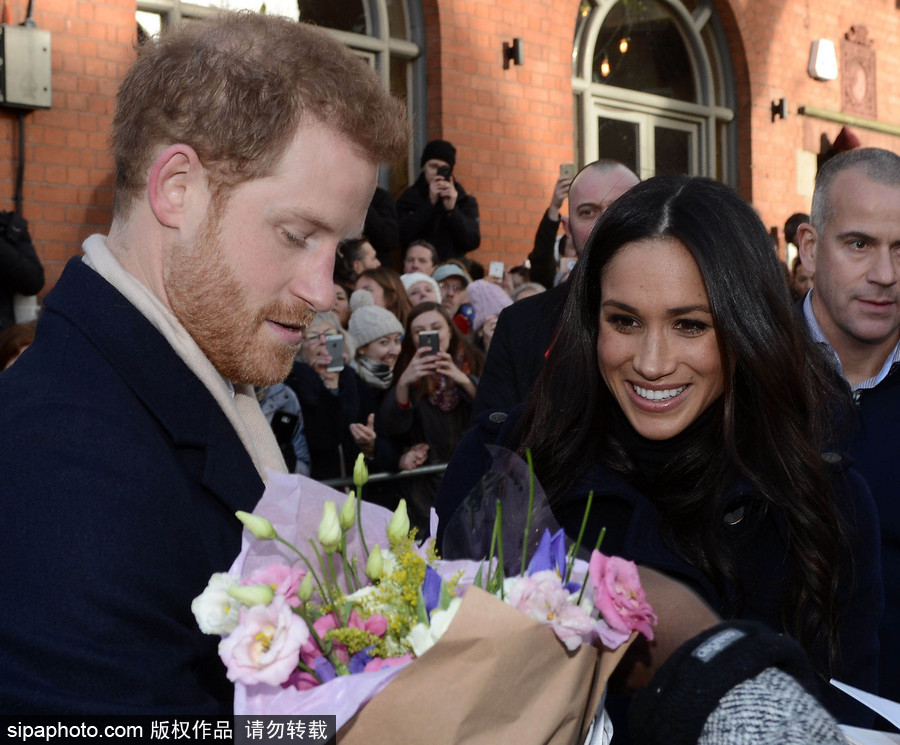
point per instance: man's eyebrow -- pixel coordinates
(857, 235)
(290, 215)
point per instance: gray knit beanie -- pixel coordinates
(369, 322)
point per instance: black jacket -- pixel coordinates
(120, 479)
(524, 333)
(20, 269)
(453, 233)
(633, 531)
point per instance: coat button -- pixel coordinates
(830, 457)
(498, 417)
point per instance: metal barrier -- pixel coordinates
(387, 476)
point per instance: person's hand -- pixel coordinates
(445, 190)
(446, 366)
(329, 379)
(487, 330)
(414, 457)
(423, 363)
(682, 615)
(364, 436)
(560, 192)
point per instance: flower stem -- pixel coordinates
(530, 509)
(500, 569)
(577, 546)
(326, 594)
(305, 561)
(362, 538)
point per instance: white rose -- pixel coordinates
(422, 638)
(215, 610)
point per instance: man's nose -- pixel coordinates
(313, 280)
(883, 270)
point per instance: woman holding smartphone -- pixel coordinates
(431, 402)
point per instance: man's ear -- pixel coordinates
(807, 242)
(565, 223)
(173, 183)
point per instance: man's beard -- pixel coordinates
(210, 302)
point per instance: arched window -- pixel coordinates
(654, 88)
(388, 34)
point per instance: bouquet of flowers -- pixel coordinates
(326, 624)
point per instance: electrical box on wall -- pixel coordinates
(24, 67)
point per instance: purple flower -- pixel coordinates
(362, 658)
(431, 589)
(550, 554)
(324, 669)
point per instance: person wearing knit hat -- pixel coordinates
(378, 333)
(436, 208)
(487, 299)
(421, 288)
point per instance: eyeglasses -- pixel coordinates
(453, 287)
(313, 337)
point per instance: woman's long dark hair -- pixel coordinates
(770, 425)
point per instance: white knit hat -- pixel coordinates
(368, 322)
(413, 278)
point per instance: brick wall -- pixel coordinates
(512, 127)
(67, 191)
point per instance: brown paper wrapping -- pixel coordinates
(496, 676)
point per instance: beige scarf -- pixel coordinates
(237, 401)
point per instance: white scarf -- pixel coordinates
(237, 401)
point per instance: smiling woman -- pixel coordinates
(681, 393)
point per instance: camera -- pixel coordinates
(444, 172)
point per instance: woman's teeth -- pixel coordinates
(658, 395)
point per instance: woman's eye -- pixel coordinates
(691, 326)
(622, 323)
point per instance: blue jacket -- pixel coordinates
(633, 531)
(120, 479)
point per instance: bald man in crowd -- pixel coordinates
(526, 329)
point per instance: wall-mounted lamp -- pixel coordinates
(822, 60)
(779, 109)
(604, 67)
(512, 53)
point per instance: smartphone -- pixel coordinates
(444, 172)
(496, 269)
(429, 339)
(567, 170)
(334, 344)
(283, 425)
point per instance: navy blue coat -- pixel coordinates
(759, 537)
(120, 479)
(875, 448)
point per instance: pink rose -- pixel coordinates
(543, 598)
(265, 646)
(284, 580)
(619, 596)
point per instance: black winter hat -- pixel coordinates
(439, 150)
